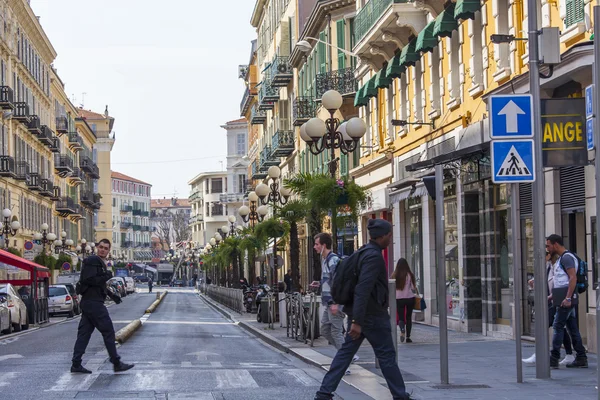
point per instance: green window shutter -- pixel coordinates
(355, 157)
(569, 13)
(341, 43)
(579, 11)
(575, 12)
(352, 43)
(344, 165)
(322, 53)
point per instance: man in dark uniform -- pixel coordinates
(94, 314)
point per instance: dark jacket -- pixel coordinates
(288, 282)
(371, 291)
(94, 276)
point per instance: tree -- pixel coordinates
(294, 211)
(229, 252)
(250, 244)
(163, 228)
(181, 226)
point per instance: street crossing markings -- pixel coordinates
(76, 382)
(235, 379)
(6, 377)
(513, 165)
(301, 377)
(9, 356)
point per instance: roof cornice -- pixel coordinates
(257, 12)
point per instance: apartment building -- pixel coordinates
(131, 218)
(209, 214)
(169, 223)
(237, 165)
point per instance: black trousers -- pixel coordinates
(405, 308)
(94, 315)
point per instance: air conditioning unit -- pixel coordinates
(242, 71)
(284, 68)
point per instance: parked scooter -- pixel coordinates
(263, 291)
(248, 295)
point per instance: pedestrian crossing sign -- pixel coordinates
(513, 161)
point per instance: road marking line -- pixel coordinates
(235, 379)
(9, 356)
(186, 364)
(74, 382)
(183, 322)
(216, 364)
(5, 377)
(301, 377)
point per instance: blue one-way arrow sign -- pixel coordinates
(511, 116)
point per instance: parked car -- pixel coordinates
(16, 307)
(141, 278)
(178, 283)
(5, 325)
(60, 301)
(76, 297)
(129, 285)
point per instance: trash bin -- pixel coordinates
(264, 310)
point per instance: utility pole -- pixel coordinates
(441, 272)
(542, 365)
(596, 104)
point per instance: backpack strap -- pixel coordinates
(577, 260)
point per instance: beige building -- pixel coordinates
(209, 214)
(130, 218)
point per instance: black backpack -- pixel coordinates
(346, 278)
(582, 273)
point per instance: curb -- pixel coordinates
(125, 333)
(156, 302)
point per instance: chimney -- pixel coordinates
(106, 111)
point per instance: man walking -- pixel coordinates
(150, 285)
(565, 298)
(94, 315)
(287, 279)
(368, 318)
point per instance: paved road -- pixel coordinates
(184, 350)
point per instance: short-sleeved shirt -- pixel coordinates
(565, 262)
(328, 266)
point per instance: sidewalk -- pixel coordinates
(480, 366)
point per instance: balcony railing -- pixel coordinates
(145, 213)
(146, 244)
(267, 95)
(145, 228)
(77, 177)
(21, 113)
(89, 167)
(342, 80)
(266, 160)
(245, 104)
(257, 173)
(62, 125)
(137, 212)
(126, 209)
(137, 227)
(281, 71)
(34, 126)
(304, 108)
(125, 225)
(22, 171)
(7, 167)
(75, 141)
(63, 164)
(54, 146)
(231, 198)
(87, 198)
(35, 181)
(6, 98)
(55, 193)
(45, 136)
(283, 144)
(66, 206)
(369, 14)
(47, 188)
(127, 244)
(258, 116)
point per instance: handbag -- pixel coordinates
(419, 302)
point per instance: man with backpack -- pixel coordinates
(361, 286)
(565, 297)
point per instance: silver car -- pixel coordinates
(5, 325)
(16, 308)
(60, 301)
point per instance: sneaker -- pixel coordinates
(408, 340)
(355, 359)
(78, 368)
(347, 372)
(121, 366)
(569, 358)
(530, 360)
(553, 363)
(580, 362)
(402, 336)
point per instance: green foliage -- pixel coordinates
(270, 228)
(120, 265)
(14, 251)
(45, 260)
(63, 258)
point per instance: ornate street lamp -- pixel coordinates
(44, 237)
(232, 228)
(9, 227)
(254, 213)
(63, 244)
(271, 193)
(330, 135)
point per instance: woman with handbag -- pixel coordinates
(405, 297)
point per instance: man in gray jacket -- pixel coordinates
(368, 318)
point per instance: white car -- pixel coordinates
(5, 325)
(60, 301)
(16, 308)
(129, 284)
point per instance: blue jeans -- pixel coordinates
(377, 331)
(565, 317)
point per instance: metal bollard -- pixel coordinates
(157, 295)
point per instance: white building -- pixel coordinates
(237, 165)
(208, 212)
(131, 218)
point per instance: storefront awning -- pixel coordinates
(466, 9)
(394, 69)
(445, 23)
(426, 41)
(151, 269)
(381, 79)
(407, 193)
(359, 98)
(16, 261)
(370, 88)
(448, 157)
(409, 55)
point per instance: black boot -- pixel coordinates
(554, 362)
(580, 362)
(78, 368)
(121, 366)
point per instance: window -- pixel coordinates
(575, 12)
(241, 144)
(418, 85)
(341, 43)
(241, 184)
(453, 48)
(216, 185)
(93, 128)
(216, 209)
(501, 51)
(476, 31)
(434, 89)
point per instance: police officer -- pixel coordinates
(94, 315)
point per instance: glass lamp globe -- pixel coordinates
(58, 242)
(303, 135)
(44, 226)
(274, 172)
(88, 248)
(63, 234)
(332, 100)
(356, 128)
(15, 225)
(285, 192)
(51, 237)
(218, 237)
(231, 219)
(315, 128)
(244, 211)
(6, 213)
(93, 245)
(37, 236)
(239, 228)
(213, 241)
(262, 190)
(83, 241)
(262, 210)
(252, 196)
(69, 242)
(225, 228)
(78, 248)
(342, 130)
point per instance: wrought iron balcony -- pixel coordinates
(257, 173)
(145, 228)
(55, 193)
(7, 167)
(146, 244)
(231, 198)
(125, 225)
(34, 126)
(87, 198)
(63, 165)
(22, 171)
(89, 167)
(245, 104)
(137, 227)
(304, 108)
(6, 98)
(369, 14)
(45, 136)
(126, 209)
(267, 95)
(35, 181)
(342, 80)
(137, 212)
(281, 71)
(145, 213)
(126, 244)
(62, 125)
(78, 213)
(97, 201)
(258, 116)
(265, 158)
(66, 206)
(21, 113)
(77, 177)
(75, 141)
(283, 143)
(55, 145)
(47, 188)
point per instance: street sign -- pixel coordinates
(589, 133)
(511, 116)
(513, 161)
(563, 132)
(66, 266)
(589, 101)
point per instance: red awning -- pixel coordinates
(16, 261)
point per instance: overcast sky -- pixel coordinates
(167, 71)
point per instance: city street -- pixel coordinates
(184, 350)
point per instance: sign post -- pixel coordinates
(596, 118)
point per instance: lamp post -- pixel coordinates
(44, 237)
(232, 228)
(253, 213)
(63, 244)
(330, 135)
